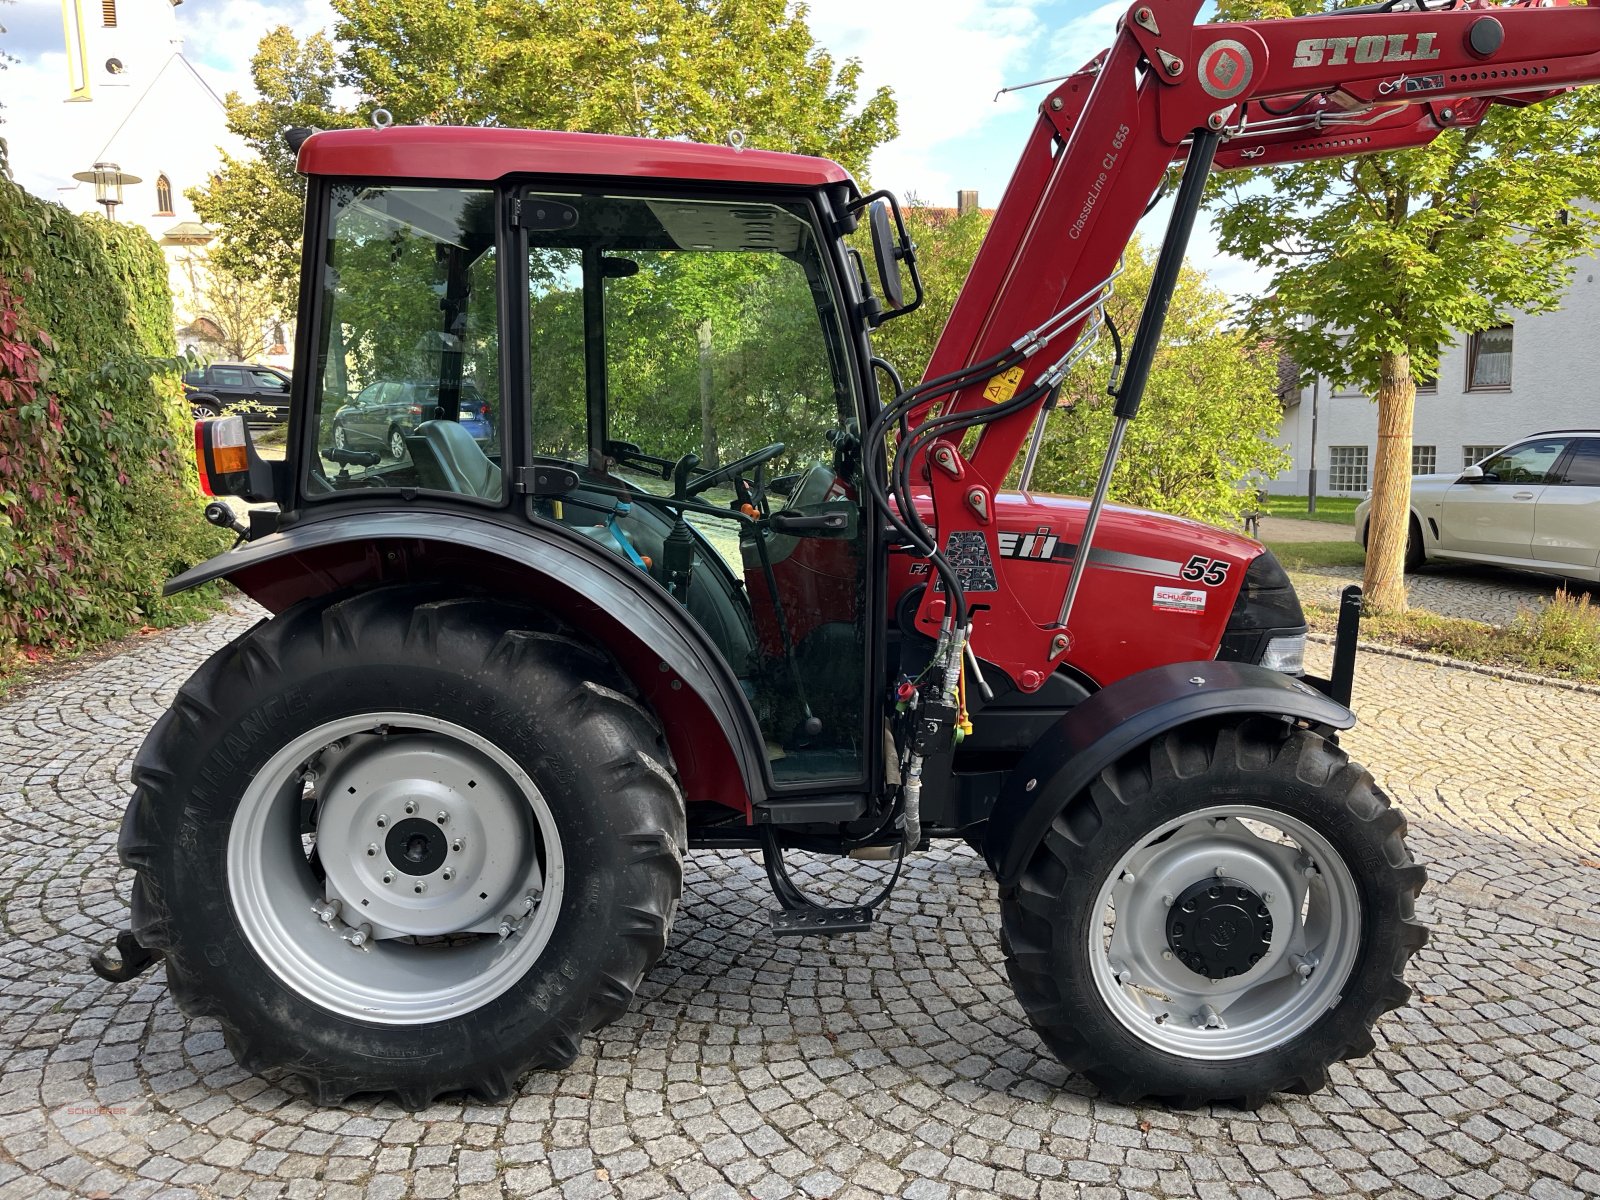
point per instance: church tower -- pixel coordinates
(116, 47)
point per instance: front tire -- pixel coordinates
(405, 843)
(1263, 857)
(397, 445)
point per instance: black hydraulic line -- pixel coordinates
(1191, 191)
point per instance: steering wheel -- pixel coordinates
(734, 469)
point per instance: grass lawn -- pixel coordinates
(1335, 510)
(1561, 638)
(1301, 556)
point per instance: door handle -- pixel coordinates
(1522, 495)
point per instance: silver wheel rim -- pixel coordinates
(397, 445)
(204, 411)
(1315, 937)
(474, 867)
(338, 437)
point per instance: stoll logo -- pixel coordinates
(1377, 47)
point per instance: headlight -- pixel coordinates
(1286, 654)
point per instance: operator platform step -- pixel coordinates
(820, 922)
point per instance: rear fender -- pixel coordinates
(1120, 718)
(712, 732)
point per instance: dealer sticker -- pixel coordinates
(1186, 600)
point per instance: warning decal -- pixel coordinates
(1003, 386)
(1185, 600)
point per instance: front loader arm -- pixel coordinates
(1232, 95)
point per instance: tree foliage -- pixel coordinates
(1210, 380)
(946, 245)
(1379, 262)
(1205, 433)
(98, 500)
(652, 68)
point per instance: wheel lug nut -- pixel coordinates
(383, 819)
(410, 808)
(448, 874)
(456, 845)
(1218, 872)
(419, 888)
(388, 876)
(1167, 900)
(372, 850)
(442, 817)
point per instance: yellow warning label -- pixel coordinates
(1003, 386)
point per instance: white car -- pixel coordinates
(1534, 505)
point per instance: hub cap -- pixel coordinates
(441, 868)
(1225, 932)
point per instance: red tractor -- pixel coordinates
(692, 579)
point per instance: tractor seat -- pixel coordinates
(452, 461)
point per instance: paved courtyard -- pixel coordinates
(891, 1063)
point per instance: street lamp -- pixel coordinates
(108, 180)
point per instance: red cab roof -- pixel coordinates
(460, 152)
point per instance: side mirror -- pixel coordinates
(887, 251)
(228, 462)
(1472, 475)
(891, 248)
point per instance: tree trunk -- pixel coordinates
(708, 424)
(1389, 522)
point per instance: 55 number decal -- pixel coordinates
(1209, 571)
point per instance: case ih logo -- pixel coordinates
(1377, 47)
(1041, 543)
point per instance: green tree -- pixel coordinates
(652, 68)
(946, 245)
(1379, 261)
(1211, 380)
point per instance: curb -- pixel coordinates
(1461, 664)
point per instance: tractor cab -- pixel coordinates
(670, 371)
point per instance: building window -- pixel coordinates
(1471, 456)
(1427, 381)
(1424, 460)
(1350, 387)
(163, 196)
(1489, 360)
(108, 13)
(1347, 468)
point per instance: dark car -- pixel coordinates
(215, 389)
(383, 414)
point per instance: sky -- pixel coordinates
(944, 60)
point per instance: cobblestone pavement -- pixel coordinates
(890, 1063)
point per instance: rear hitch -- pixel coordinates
(124, 960)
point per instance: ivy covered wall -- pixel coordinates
(98, 499)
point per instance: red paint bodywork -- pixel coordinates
(1103, 142)
(473, 153)
(1128, 633)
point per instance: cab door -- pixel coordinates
(1493, 516)
(689, 357)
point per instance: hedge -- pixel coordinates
(98, 498)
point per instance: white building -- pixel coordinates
(131, 100)
(1539, 372)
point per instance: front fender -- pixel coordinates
(1122, 717)
(716, 741)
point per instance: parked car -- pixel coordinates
(1534, 505)
(211, 390)
(384, 413)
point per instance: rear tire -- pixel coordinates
(397, 445)
(561, 778)
(1087, 928)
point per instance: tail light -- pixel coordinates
(227, 460)
(416, 410)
